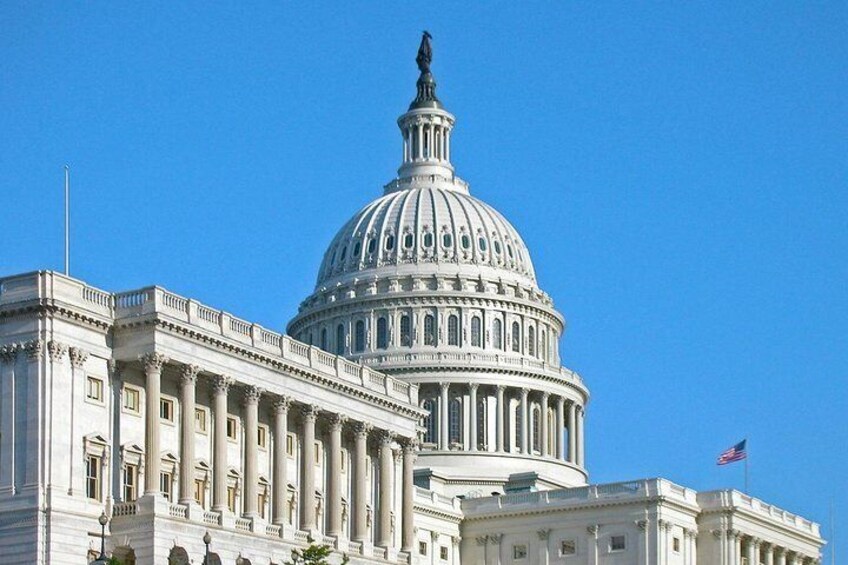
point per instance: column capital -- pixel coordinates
(33, 349)
(152, 361)
(309, 412)
(592, 529)
(9, 352)
(282, 404)
(410, 444)
(336, 421)
(545, 396)
(524, 393)
(755, 541)
(543, 533)
(642, 525)
(500, 388)
(362, 429)
(560, 400)
(251, 395)
(778, 550)
(56, 350)
(444, 386)
(78, 356)
(386, 437)
(188, 374)
(221, 384)
(473, 386)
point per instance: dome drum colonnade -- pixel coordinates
(435, 287)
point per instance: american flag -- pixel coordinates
(735, 453)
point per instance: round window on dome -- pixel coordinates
(407, 241)
(447, 240)
(428, 240)
(466, 242)
(390, 242)
(482, 243)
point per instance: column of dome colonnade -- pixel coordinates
(521, 421)
(283, 415)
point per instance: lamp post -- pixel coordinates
(102, 559)
(207, 539)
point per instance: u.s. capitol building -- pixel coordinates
(416, 411)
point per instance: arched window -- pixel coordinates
(497, 334)
(537, 422)
(429, 421)
(455, 421)
(324, 339)
(518, 426)
(333, 258)
(509, 250)
(482, 243)
(344, 253)
(531, 341)
(428, 239)
(516, 337)
(543, 346)
(429, 330)
(475, 332)
(447, 240)
(466, 241)
(359, 336)
(356, 249)
(453, 330)
(340, 339)
(372, 245)
(407, 241)
(497, 247)
(482, 419)
(390, 242)
(405, 331)
(382, 334)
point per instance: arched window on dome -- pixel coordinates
(482, 420)
(382, 333)
(518, 428)
(359, 336)
(497, 246)
(405, 331)
(497, 334)
(531, 341)
(466, 241)
(372, 245)
(428, 240)
(324, 339)
(453, 330)
(482, 244)
(537, 422)
(509, 250)
(516, 337)
(543, 346)
(408, 240)
(333, 258)
(340, 339)
(475, 332)
(390, 242)
(429, 421)
(344, 253)
(447, 240)
(455, 421)
(356, 249)
(429, 330)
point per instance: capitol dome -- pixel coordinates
(435, 287)
(427, 229)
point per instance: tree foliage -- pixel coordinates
(313, 555)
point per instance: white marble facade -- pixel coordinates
(418, 414)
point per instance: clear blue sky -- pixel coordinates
(679, 174)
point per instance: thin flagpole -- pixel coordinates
(67, 220)
(746, 470)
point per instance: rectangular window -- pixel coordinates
(165, 482)
(260, 504)
(290, 445)
(132, 400)
(92, 477)
(200, 420)
(675, 545)
(130, 482)
(232, 428)
(166, 409)
(567, 547)
(342, 459)
(231, 498)
(94, 389)
(519, 551)
(262, 437)
(422, 548)
(199, 489)
(317, 453)
(443, 553)
(616, 543)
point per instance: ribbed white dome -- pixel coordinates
(427, 229)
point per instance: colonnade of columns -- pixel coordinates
(221, 388)
(567, 415)
(426, 141)
(751, 550)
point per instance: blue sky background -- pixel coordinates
(679, 174)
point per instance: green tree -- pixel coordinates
(313, 555)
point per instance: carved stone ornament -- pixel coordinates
(34, 349)
(152, 362)
(495, 538)
(592, 529)
(78, 357)
(716, 533)
(337, 421)
(362, 428)
(642, 525)
(434, 536)
(8, 353)
(410, 445)
(252, 394)
(56, 350)
(544, 533)
(188, 376)
(481, 540)
(282, 404)
(221, 384)
(309, 412)
(386, 438)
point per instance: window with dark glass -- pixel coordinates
(340, 339)
(482, 429)
(428, 239)
(466, 242)
(455, 421)
(344, 253)
(382, 333)
(429, 421)
(359, 336)
(497, 246)
(92, 477)
(408, 241)
(482, 243)
(531, 341)
(390, 242)
(447, 240)
(516, 337)
(324, 339)
(372, 245)
(476, 340)
(497, 334)
(429, 330)
(453, 330)
(405, 330)
(356, 249)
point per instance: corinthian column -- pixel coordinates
(220, 387)
(407, 514)
(384, 534)
(560, 423)
(360, 517)
(334, 478)
(443, 417)
(572, 433)
(472, 420)
(251, 450)
(280, 478)
(499, 418)
(153, 363)
(525, 428)
(581, 445)
(188, 382)
(543, 425)
(307, 469)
